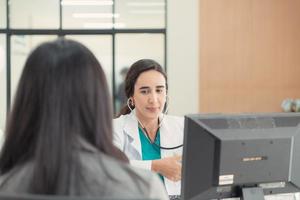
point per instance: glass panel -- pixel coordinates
(85, 14)
(2, 85)
(132, 47)
(140, 13)
(21, 46)
(2, 13)
(101, 46)
(29, 14)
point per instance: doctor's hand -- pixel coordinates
(169, 167)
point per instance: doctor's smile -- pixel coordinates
(153, 109)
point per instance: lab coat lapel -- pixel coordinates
(131, 129)
(166, 137)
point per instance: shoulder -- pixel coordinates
(148, 183)
(174, 120)
(18, 179)
(121, 121)
(152, 185)
(120, 178)
(173, 125)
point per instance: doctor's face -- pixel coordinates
(149, 95)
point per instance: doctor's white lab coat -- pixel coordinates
(126, 138)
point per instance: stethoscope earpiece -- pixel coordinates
(128, 104)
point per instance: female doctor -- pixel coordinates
(151, 139)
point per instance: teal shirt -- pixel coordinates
(150, 151)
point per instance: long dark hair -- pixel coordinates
(133, 74)
(62, 95)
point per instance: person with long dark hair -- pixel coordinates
(58, 138)
(144, 132)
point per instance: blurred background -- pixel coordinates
(119, 32)
(221, 56)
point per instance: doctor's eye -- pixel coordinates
(160, 90)
(144, 91)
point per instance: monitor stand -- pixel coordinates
(252, 193)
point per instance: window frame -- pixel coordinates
(60, 32)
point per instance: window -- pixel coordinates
(2, 83)
(140, 14)
(34, 14)
(118, 32)
(2, 13)
(93, 15)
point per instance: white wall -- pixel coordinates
(183, 56)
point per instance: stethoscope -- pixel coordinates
(159, 125)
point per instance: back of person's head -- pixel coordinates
(133, 74)
(124, 71)
(62, 96)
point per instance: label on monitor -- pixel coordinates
(224, 189)
(226, 179)
(272, 185)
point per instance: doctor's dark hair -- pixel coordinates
(133, 74)
(62, 96)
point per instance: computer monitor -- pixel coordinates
(244, 155)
